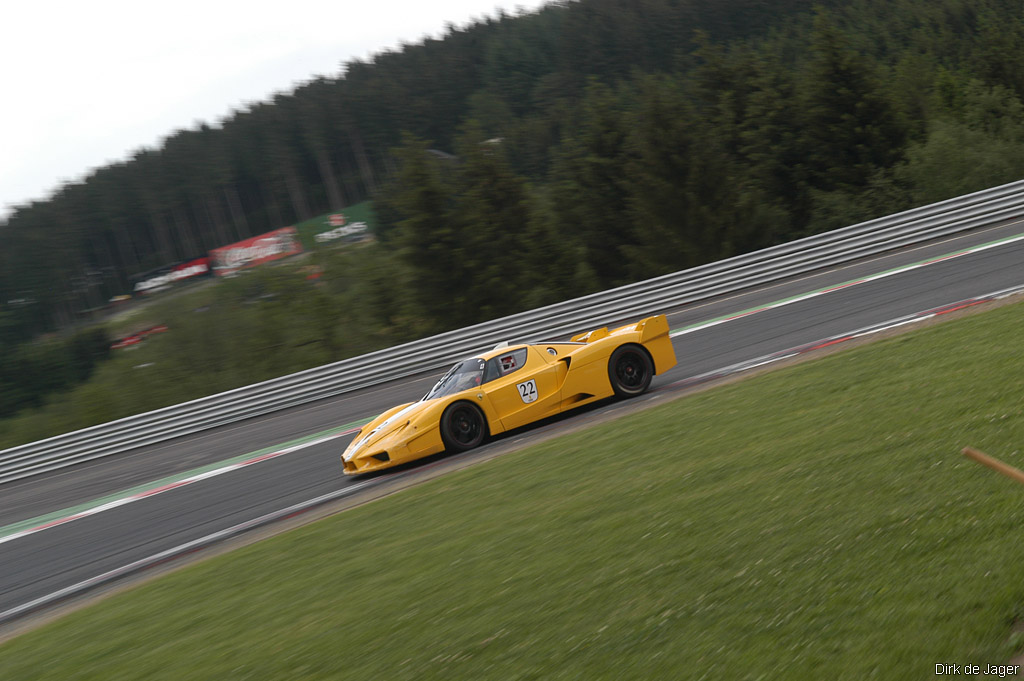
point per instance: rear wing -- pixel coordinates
(649, 329)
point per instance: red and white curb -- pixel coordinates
(843, 337)
(184, 482)
(839, 287)
(176, 552)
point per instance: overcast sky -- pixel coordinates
(87, 82)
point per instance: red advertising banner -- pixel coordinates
(255, 251)
(184, 270)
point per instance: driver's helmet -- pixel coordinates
(469, 380)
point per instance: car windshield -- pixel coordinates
(462, 376)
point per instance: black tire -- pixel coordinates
(462, 427)
(630, 370)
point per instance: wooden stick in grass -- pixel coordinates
(986, 460)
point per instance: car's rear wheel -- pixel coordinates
(630, 370)
(462, 427)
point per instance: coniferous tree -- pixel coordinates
(852, 130)
(430, 242)
(491, 212)
(590, 209)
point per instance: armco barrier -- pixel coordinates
(634, 300)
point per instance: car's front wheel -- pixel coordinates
(462, 427)
(630, 370)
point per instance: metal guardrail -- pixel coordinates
(634, 300)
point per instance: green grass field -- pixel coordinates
(813, 522)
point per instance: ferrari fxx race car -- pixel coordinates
(511, 386)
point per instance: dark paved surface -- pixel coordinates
(33, 566)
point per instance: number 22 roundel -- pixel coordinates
(528, 390)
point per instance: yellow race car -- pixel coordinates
(511, 386)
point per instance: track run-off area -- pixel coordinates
(69, 531)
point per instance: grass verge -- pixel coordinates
(814, 522)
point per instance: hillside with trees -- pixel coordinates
(527, 159)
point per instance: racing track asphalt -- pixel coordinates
(47, 561)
